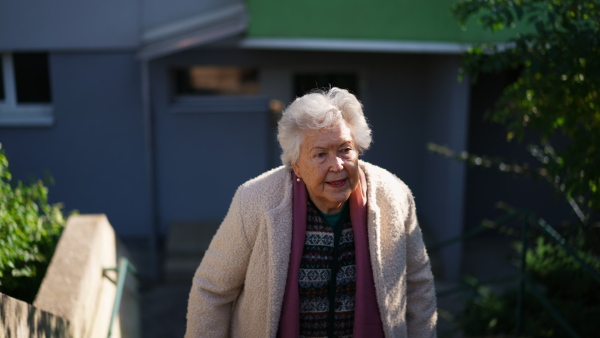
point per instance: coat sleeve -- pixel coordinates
(220, 277)
(421, 310)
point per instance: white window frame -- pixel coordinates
(14, 114)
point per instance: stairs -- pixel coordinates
(185, 247)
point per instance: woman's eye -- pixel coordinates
(320, 155)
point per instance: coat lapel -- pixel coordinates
(279, 233)
(374, 236)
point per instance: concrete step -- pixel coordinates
(185, 247)
(189, 236)
(181, 270)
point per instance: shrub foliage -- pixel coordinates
(557, 92)
(557, 96)
(29, 230)
(563, 282)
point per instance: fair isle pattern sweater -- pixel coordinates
(327, 276)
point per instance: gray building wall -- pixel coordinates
(413, 100)
(201, 157)
(95, 150)
(409, 100)
(443, 179)
(93, 25)
(65, 24)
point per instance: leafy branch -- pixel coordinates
(29, 230)
(557, 92)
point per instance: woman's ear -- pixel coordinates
(296, 169)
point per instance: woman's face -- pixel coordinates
(328, 165)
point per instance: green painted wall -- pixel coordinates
(403, 20)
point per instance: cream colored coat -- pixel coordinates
(238, 288)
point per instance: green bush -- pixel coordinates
(556, 95)
(560, 278)
(29, 230)
(554, 101)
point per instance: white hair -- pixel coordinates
(318, 110)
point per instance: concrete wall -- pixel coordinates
(19, 319)
(95, 150)
(75, 287)
(76, 298)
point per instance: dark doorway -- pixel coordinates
(307, 82)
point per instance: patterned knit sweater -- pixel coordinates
(328, 251)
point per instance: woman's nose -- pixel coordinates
(338, 164)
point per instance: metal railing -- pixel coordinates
(528, 219)
(123, 267)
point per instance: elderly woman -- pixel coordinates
(326, 245)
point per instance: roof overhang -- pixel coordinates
(348, 45)
(193, 32)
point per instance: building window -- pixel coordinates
(2, 95)
(307, 82)
(32, 77)
(217, 81)
(209, 88)
(25, 93)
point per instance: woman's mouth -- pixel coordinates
(336, 184)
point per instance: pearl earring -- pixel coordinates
(297, 179)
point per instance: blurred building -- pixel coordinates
(153, 112)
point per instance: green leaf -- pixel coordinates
(29, 231)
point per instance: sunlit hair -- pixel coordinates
(321, 109)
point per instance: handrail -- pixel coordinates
(483, 227)
(124, 266)
(468, 286)
(553, 311)
(554, 235)
(522, 277)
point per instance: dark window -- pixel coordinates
(32, 77)
(307, 82)
(216, 81)
(2, 95)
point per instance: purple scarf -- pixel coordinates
(367, 321)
